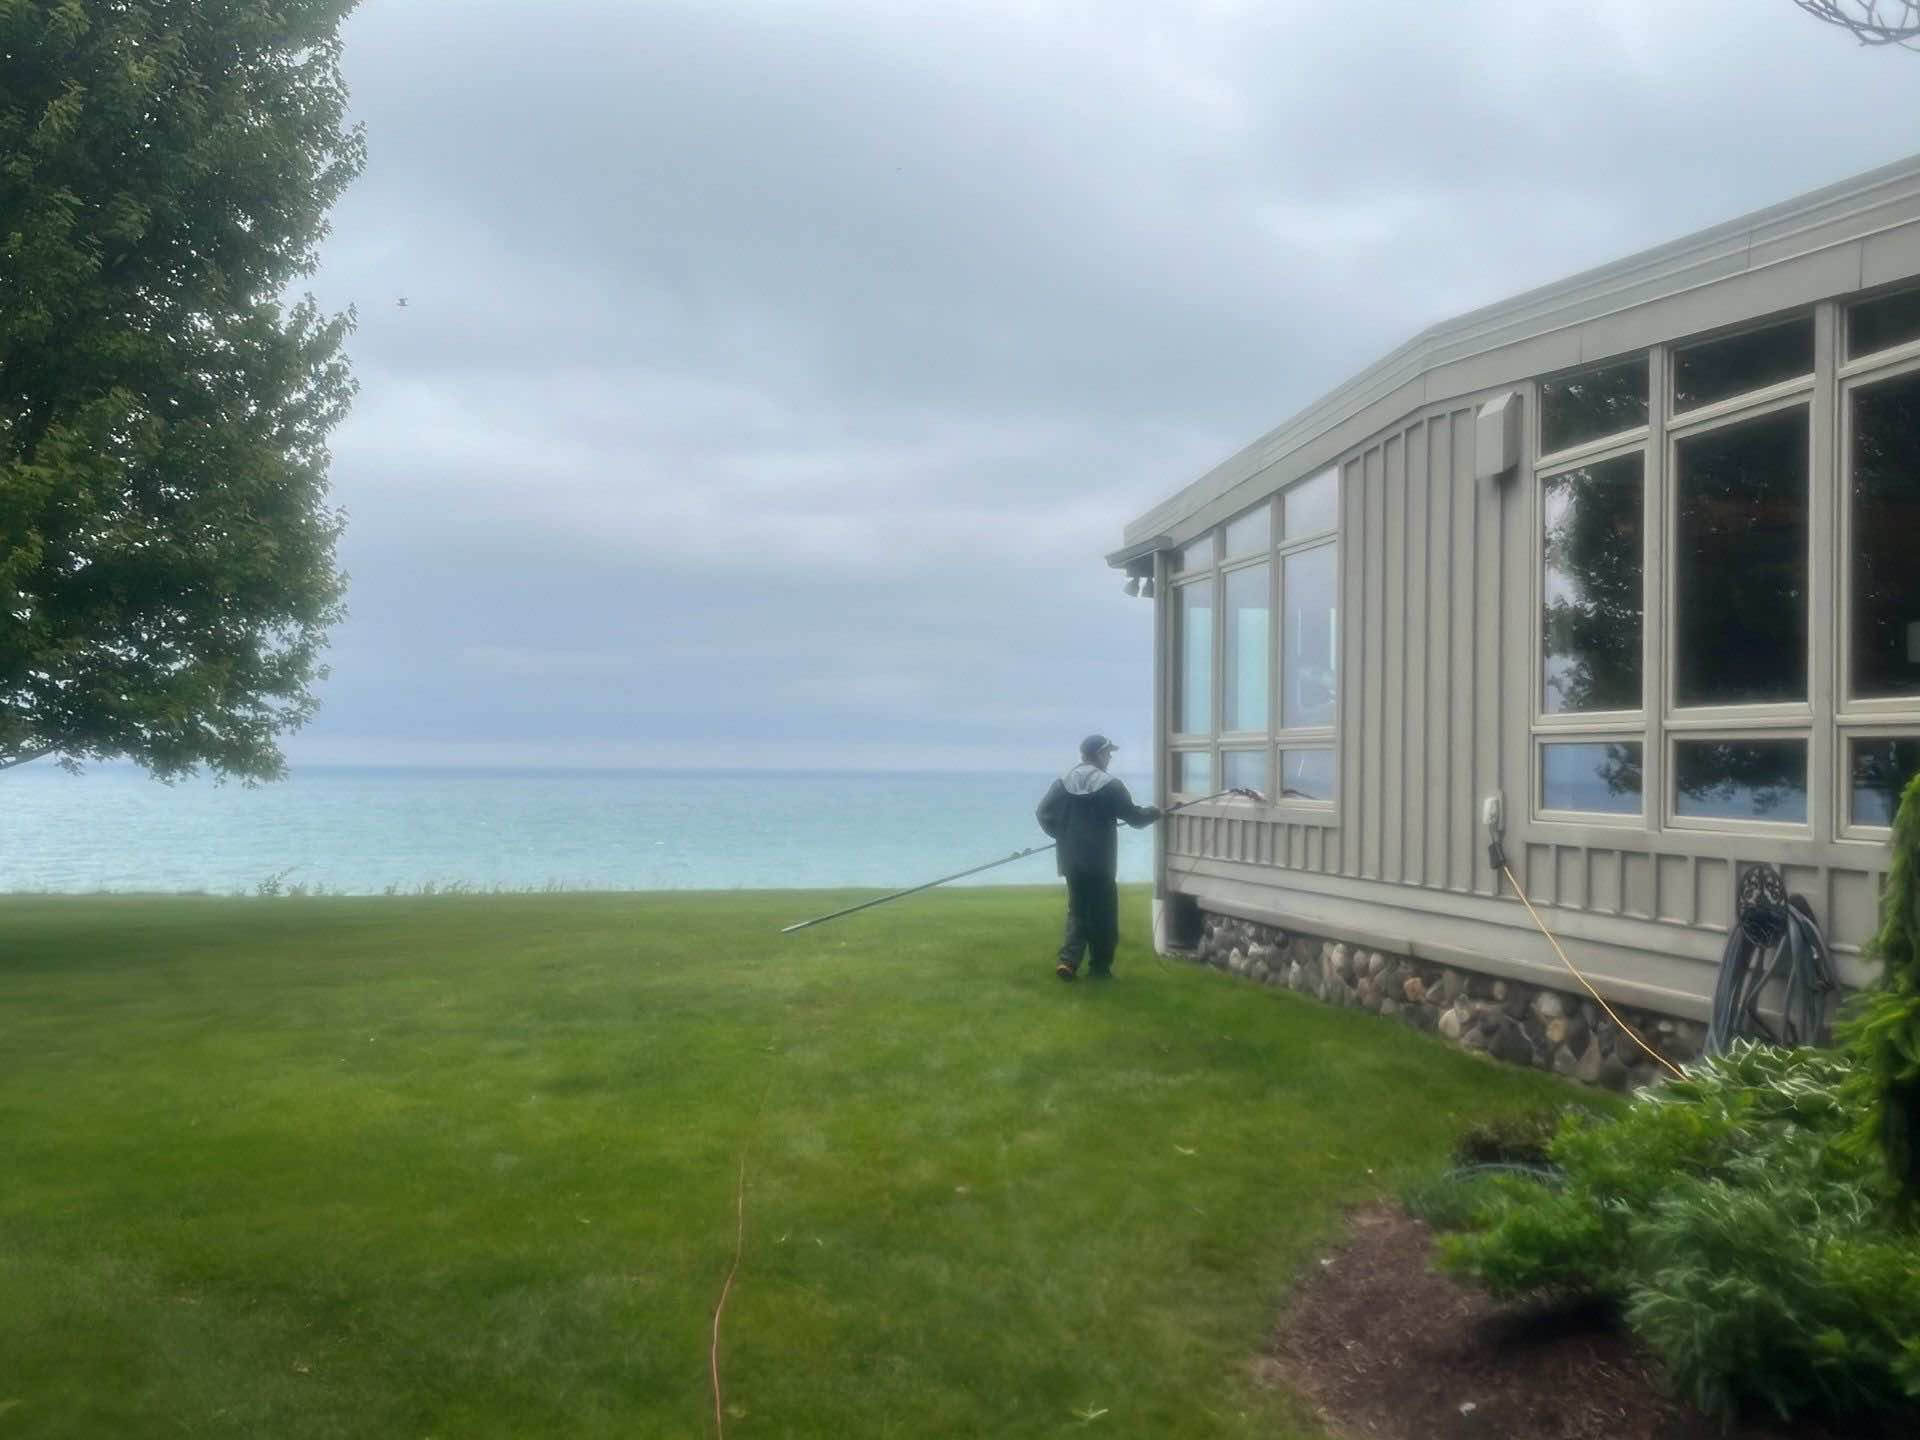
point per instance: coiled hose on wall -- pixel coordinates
(1775, 940)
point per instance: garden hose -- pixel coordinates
(1775, 941)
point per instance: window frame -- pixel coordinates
(1757, 406)
(1746, 398)
(1580, 721)
(1778, 829)
(1892, 354)
(1844, 828)
(1888, 365)
(1275, 738)
(1586, 449)
(1616, 820)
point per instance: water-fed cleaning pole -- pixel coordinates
(1240, 791)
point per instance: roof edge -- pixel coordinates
(1792, 227)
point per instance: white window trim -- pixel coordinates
(1847, 706)
(1786, 829)
(1844, 827)
(1635, 820)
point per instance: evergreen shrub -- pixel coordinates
(1759, 1258)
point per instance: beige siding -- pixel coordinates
(1434, 699)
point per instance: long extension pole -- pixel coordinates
(994, 864)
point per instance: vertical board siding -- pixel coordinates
(1436, 673)
(1460, 666)
(1393, 661)
(1372, 624)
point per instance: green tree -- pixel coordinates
(167, 571)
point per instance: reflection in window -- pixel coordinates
(1311, 506)
(1244, 770)
(1306, 775)
(1309, 648)
(1741, 779)
(1719, 369)
(1192, 710)
(1251, 533)
(1591, 593)
(1886, 538)
(1882, 770)
(1195, 776)
(1198, 555)
(1248, 643)
(1740, 563)
(1601, 778)
(1883, 323)
(1587, 404)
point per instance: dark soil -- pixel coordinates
(1386, 1347)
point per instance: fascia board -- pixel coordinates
(1865, 207)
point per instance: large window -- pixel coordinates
(1591, 509)
(1588, 405)
(1592, 586)
(1885, 571)
(1879, 581)
(1764, 674)
(1254, 696)
(1193, 646)
(1309, 659)
(1740, 562)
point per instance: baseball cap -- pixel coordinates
(1094, 744)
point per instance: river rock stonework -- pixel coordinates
(1510, 1020)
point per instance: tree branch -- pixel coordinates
(1872, 22)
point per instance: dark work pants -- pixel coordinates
(1093, 920)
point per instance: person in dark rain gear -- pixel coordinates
(1079, 812)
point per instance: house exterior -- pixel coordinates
(1634, 558)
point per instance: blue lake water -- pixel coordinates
(361, 831)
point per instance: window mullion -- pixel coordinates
(1823, 582)
(1656, 597)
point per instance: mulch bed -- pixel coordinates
(1388, 1349)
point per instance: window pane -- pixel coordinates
(1195, 775)
(1244, 769)
(1590, 403)
(1716, 369)
(1306, 775)
(1193, 706)
(1881, 324)
(1309, 650)
(1602, 778)
(1592, 591)
(1251, 533)
(1741, 779)
(1886, 538)
(1198, 555)
(1311, 506)
(1740, 563)
(1882, 769)
(1249, 641)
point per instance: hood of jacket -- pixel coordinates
(1085, 778)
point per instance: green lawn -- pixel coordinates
(465, 1166)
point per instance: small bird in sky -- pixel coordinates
(401, 302)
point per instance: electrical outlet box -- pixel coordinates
(1493, 813)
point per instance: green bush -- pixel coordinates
(1455, 1200)
(1882, 1027)
(1521, 1139)
(1757, 1256)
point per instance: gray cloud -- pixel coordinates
(774, 375)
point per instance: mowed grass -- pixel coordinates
(466, 1166)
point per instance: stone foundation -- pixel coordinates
(1508, 1020)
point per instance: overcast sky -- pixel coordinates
(774, 376)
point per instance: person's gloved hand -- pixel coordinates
(1154, 812)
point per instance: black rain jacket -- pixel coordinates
(1080, 810)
